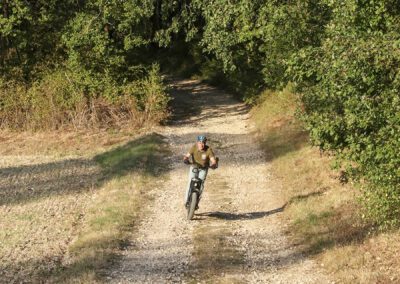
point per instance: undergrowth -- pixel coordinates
(322, 205)
(73, 99)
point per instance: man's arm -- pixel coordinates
(186, 157)
(213, 160)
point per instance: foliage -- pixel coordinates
(60, 99)
(343, 57)
(351, 102)
(253, 40)
(78, 63)
(91, 61)
(30, 32)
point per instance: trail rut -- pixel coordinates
(237, 234)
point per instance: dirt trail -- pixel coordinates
(237, 235)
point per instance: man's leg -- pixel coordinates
(202, 176)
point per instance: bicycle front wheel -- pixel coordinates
(192, 205)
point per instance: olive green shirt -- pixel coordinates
(201, 157)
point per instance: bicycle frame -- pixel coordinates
(195, 189)
(195, 183)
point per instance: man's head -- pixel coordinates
(201, 142)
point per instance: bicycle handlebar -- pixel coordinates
(187, 162)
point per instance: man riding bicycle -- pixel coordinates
(203, 157)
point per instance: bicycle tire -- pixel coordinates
(192, 205)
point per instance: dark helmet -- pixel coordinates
(202, 138)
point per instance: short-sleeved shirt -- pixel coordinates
(201, 157)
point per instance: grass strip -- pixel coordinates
(130, 171)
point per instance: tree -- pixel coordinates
(351, 103)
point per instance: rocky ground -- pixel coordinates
(237, 234)
(42, 203)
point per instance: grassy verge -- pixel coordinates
(132, 170)
(66, 216)
(322, 211)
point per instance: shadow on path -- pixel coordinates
(241, 216)
(25, 183)
(195, 101)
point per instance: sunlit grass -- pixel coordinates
(66, 216)
(117, 207)
(323, 214)
(138, 154)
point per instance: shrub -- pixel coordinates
(64, 99)
(350, 89)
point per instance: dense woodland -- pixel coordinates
(98, 63)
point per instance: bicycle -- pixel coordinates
(195, 190)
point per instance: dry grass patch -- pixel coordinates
(375, 260)
(323, 212)
(110, 222)
(65, 216)
(63, 143)
(43, 201)
(65, 99)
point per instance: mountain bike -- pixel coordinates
(195, 190)
(194, 193)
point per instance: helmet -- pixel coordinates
(201, 138)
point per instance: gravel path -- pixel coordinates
(237, 235)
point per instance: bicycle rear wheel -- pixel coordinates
(192, 205)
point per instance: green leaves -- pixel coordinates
(98, 51)
(350, 91)
(342, 56)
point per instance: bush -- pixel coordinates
(65, 99)
(350, 89)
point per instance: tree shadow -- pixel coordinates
(239, 216)
(319, 231)
(140, 154)
(195, 102)
(302, 197)
(233, 149)
(279, 141)
(25, 183)
(181, 105)
(256, 215)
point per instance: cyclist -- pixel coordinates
(203, 157)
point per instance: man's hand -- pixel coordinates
(186, 160)
(214, 163)
(214, 166)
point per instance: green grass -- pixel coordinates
(139, 154)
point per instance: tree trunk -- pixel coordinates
(3, 39)
(158, 14)
(156, 18)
